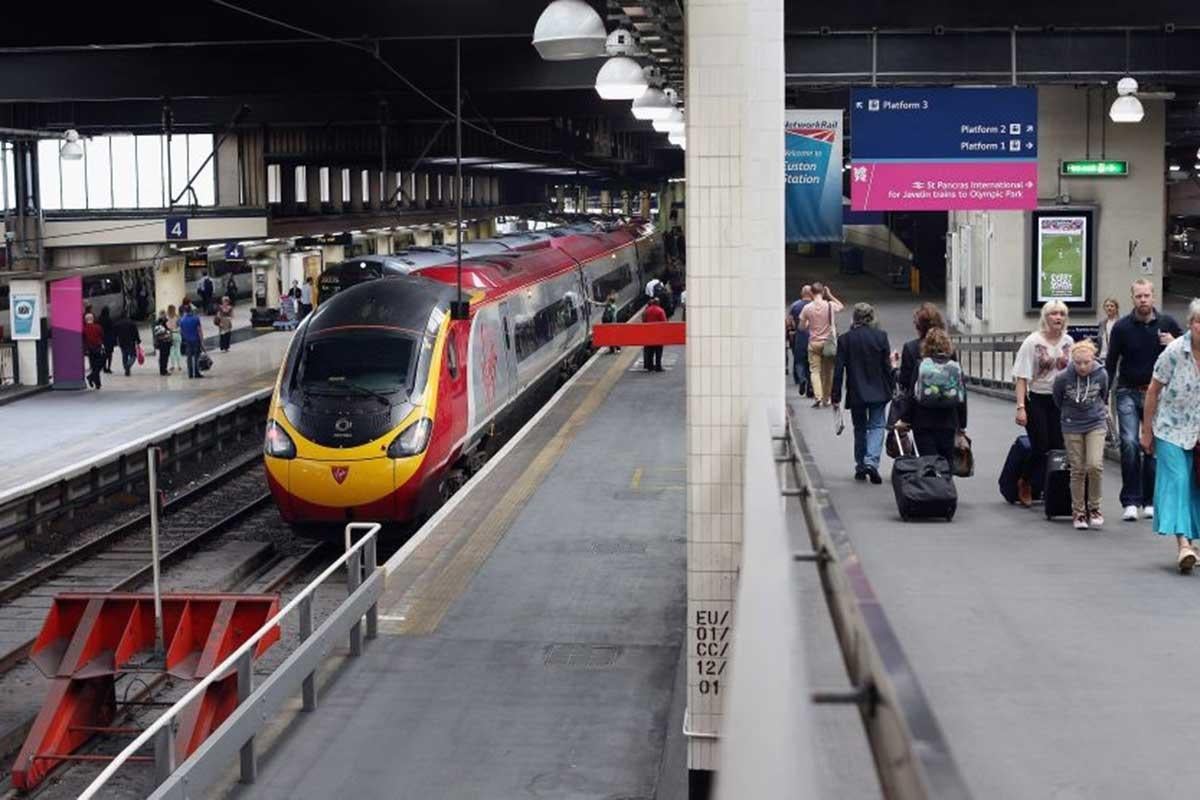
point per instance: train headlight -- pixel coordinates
(412, 441)
(277, 443)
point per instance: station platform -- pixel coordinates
(531, 634)
(51, 429)
(1054, 659)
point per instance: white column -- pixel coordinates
(735, 78)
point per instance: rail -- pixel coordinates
(30, 506)
(912, 757)
(10, 372)
(257, 705)
(987, 360)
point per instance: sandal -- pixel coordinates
(1187, 560)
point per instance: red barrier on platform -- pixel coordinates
(639, 334)
(88, 640)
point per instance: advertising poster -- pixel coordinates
(813, 175)
(1062, 259)
(943, 149)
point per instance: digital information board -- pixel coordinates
(943, 149)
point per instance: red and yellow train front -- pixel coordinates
(355, 430)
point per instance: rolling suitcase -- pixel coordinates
(1016, 466)
(1056, 493)
(924, 488)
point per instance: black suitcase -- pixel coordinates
(1056, 493)
(924, 488)
(1016, 466)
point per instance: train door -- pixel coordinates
(510, 347)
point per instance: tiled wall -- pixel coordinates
(735, 233)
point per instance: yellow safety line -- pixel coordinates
(636, 481)
(421, 608)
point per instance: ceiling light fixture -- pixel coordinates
(72, 148)
(1127, 107)
(569, 30)
(621, 78)
(671, 123)
(652, 105)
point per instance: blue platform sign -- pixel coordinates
(813, 175)
(235, 252)
(177, 227)
(943, 149)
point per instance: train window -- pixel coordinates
(507, 341)
(452, 354)
(359, 364)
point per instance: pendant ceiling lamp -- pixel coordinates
(1127, 107)
(621, 78)
(652, 105)
(72, 148)
(568, 30)
(678, 139)
(671, 123)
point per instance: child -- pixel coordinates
(1081, 394)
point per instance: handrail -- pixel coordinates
(912, 756)
(231, 664)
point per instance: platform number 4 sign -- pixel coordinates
(177, 228)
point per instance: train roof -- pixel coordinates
(396, 301)
(503, 273)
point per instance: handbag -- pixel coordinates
(205, 362)
(964, 459)
(141, 355)
(829, 346)
(899, 445)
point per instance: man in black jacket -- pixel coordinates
(1135, 344)
(128, 339)
(864, 359)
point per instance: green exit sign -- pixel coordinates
(1095, 169)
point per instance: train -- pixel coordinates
(384, 404)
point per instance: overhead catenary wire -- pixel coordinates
(374, 53)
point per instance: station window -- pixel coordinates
(274, 183)
(97, 155)
(301, 184)
(345, 186)
(365, 181)
(49, 182)
(323, 176)
(10, 180)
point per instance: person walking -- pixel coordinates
(1112, 314)
(1044, 353)
(110, 338)
(652, 354)
(935, 423)
(231, 289)
(798, 341)
(205, 289)
(93, 348)
(1138, 339)
(176, 341)
(1170, 431)
(1081, 394)
(128, 339)
(817, 319)
(863, 364)
(162, 342)
(225, 323)
(306, 297)
(192, 332)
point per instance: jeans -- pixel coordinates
(164, 353)
(800, 367)
(192, 350)
(128, 357)
(1137, 468)
(1085, 452)
(868, 423)
(225, 339)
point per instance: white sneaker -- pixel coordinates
(1131, 514)
(1147, 512)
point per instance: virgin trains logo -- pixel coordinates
(340, 473)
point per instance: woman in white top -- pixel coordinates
(1112, 313)
(1044, 353)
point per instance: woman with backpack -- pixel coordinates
(162, 342)
(1043, 355)
(937, 393)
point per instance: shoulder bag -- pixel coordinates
(829, 346)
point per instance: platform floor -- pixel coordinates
(529, 647)
(53, 429)
(1057, 661)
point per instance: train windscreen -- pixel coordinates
(358, 363)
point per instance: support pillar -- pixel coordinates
(644, 204)
(169, 283)
(605, 201)
(422, 237)
(312, 176)
(228, 173)
(375, 201)
(357, 201)
(560, 203)
(422, 198)
(626, 203)
(581, 205)
(735, 82)
(336, 201)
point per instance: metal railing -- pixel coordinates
(912, 757)
(10, 371)
(987, 359)
(257, 705)
(27, 508)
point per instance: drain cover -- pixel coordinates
(581, 656)
(618, 548)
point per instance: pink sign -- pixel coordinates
(66, 332)
(943, 185)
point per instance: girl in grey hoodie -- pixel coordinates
(1081, 393)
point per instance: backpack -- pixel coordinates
(939, 384)
(162, 334)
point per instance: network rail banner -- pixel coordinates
(943, 149)
(813, 174)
